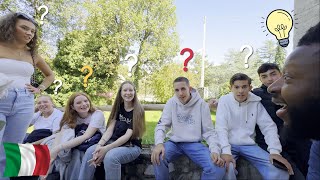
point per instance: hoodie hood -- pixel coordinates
(195, 97)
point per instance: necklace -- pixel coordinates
(19, 52)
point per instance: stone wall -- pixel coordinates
(181, 169)
(307, 13)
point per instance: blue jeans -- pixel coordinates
(197, 152)
(112, 162)
(16, 111)
(314, 162)
(259, 159)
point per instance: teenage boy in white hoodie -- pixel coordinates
(188, 117)
(237, 115)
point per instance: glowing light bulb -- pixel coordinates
(279, 23)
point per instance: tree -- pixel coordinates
(272, 52)
(280, 55)
(162, 80)
(80, 48)
(267, 51)
(217, 77)
(143, 27)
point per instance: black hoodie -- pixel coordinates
(271, 109)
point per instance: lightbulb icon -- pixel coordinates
(279, 23)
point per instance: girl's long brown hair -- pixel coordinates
(138, 121)
(8, 28)
(70, 115)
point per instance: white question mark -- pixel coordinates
(60, 84)
(45, 13)
(246, 64)
(134, 63)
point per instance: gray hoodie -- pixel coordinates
(189, 122)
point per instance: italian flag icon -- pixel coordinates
(26, 160)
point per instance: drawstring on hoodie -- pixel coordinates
(247, 114)
(246, 110)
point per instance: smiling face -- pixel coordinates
(127, 92)
(182, 91)
(24, 31)
(81, 104)
(240, 90)
(45, 105)
(298, 90)
(270, 76)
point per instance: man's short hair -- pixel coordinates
(266, 67)
(311, 36)
(239, 76)
(182, 79)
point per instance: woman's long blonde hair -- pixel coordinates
(70, 115)
(138, 121)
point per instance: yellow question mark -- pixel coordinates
(85, 80)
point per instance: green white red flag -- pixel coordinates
(26, 160)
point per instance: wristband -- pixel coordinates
(42, 87)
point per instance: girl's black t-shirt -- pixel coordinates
(124, 122)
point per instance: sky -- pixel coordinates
(230, 24)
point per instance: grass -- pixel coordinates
(152, 118)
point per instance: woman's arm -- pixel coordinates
(100, 152)
(78, 140)
(46, 71)
(108, 134)
(121, 140)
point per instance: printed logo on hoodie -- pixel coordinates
(186, 119)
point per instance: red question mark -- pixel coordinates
(188, 58)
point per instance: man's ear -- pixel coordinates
(190, 88)
(250, 87)
(230, 87)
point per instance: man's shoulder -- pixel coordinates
(225, 98)
(170, 101)
(58, 112)
(257, 91)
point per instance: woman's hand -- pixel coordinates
(99, 154)
(54, 153)
(32, 89)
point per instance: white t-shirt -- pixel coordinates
(52, 122)
(95, 119)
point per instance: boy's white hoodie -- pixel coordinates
(235, 123)
(189, 122)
